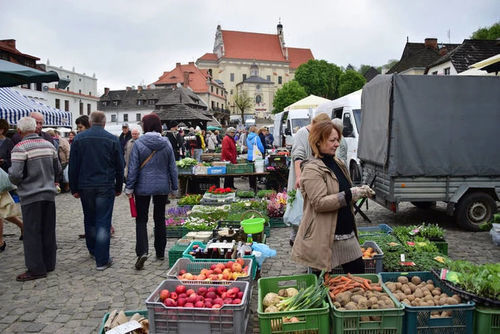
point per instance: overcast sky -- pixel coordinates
(129, 43)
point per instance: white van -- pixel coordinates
(287, 123)
(348, 109)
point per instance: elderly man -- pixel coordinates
(229, 154)
(125, 136)
(16, 138)
(96, 177)
(128, 148)
(34, 167)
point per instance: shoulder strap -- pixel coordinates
(147, 159)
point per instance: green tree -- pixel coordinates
(319, 77)
(492, 32)
(243, 102)
(291, 92)
(364, 68)
(350, 81)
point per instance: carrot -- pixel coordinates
(367, 285)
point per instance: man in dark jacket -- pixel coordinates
(229, 154)
(125, 136)
(174, 138)
(96, 177)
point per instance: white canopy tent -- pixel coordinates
(310, 102)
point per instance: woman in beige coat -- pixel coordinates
(327, 235)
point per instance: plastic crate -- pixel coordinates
(442, 246)
(418, 318)
(175, 253)
(380, 229)
(277, 160)
(201, 244)
(183, 320)
(200, 170)
(194, 267)
(277, 222)
(487, 320)
(176, 231)
(240, 168)
(372, 266)
(144, 313)
(310, 321)
(216, 170)
(390, 320)
(185, 171)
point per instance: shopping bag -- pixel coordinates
(293, 212)
(133, 209)
(66, 174)
(257, 154)
(5, 184)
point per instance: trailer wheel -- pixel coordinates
(355, 173)
(424, 205)
(474, 209)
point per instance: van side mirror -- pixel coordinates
(288, 132)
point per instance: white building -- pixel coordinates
(79, 97)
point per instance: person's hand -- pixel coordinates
(76, 195)
(175, 193)
(130, 195)
(359, 192)
(118, 193)
(297, 182)
(369, 191)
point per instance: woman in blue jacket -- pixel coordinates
(151, 173)
(253, 140)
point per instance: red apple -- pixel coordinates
(189, 305)
(182, 272)
(164, 294)
(199, 304)
(189, 292)
(216, 306)
(173, 295)
(180, 289)
(192, 298)
(211, 294)
(202, 291)
(236, 301)
(240, 295)
(181, 302)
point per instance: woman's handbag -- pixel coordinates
(133, 209)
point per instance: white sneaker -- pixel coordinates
(106, 266)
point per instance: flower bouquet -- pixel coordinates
(276, 205)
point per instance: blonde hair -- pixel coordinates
(320, 132)
(320, 118)
(253, 128)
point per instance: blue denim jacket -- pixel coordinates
(159, 175)
(95, 161)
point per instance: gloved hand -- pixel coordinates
(370, 191)
(359, 192)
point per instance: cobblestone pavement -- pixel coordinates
(75, 297)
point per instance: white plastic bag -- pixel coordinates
(293, 212)
(5, 184)
(66, 174)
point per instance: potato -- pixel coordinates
(411, 297)
(429, 281)
(351, 306)
(364, 318)
(391, 286)
(362, 306)
(375, 318)
(406, 290)
(418, 293)
(412, 287)
(446, 314)
(399, 286)
(451, 301)
(375, 306)
(337, 304)
(427, 293)
(436, 292)
(373, 300)
(403, 280)
(457, 297)
(415, 303)
(416, 280)
(442, 301)
(356, 298)
(428, 298)
(406, 301)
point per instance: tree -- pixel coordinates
(350, 81)
(492, 32)
(319, 77)
(390, 64)
(291, 92)
(243, 102)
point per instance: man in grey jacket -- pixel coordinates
(34, 167)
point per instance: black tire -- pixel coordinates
(424, 205)
(355, 173)
(474, 209)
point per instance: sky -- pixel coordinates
(129, 43)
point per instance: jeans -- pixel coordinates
(97, 204)
(160, 229)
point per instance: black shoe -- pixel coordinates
(291, 243)
(160, 258)
(139, 264)
(2, 248)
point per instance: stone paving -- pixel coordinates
(75, 297)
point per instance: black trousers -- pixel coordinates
(39, 240)
(229, 182)
(160, 230)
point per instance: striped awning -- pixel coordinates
(14, 105)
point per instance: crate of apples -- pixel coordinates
(185, 270)
(202, 297)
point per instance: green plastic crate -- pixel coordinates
(176, 231)
(277, 222)
(175, 253)
(144, 313)
(418, 318)
(442, 246)
(310, 321)
(372, 266)
(390, 320)
(487, 320)
(242, 168)
(201, 244)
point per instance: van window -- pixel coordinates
(357, 118)
(298, 123)
(348, 129)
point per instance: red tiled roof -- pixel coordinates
(299, 56)
(197, 77)
(6, 46)
(208, 56)
(249, 45)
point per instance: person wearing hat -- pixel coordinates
(174, 138)
(125, 136)
(229, 154)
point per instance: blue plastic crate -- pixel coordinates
(418, 319)
(216, 170)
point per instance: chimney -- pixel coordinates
(431, 43)
(178, 65)
(443, 50)
(106, 90)
(10, 42)
(191, 63)
(186, 79)
(128, 88)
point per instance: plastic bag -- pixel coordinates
(66, 174)
(293, 212)
(5, 184)
(262, 252)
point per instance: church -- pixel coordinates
(255, 63)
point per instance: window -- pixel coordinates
(139, 102)
(39, 86)
(213, 105)
(151, 101)
(435, 73)
(90, 93)
(211, 89)
(244, 77)
(58, 104)
(280, 80)
(217, 91)
(258, 99)
(81, 108)
(67, 89)
(217, 105)
(113, 118)
(66, 105)
(447, 71)
(138, 117)
(105, 103)
(116, 102)
(268, 78)
(125, 117)
(88, 108)
(231, 92)
(79, 91)
(231, 77)
(257, 87)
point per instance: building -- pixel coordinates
(79, 97)
(212, 92)
(235, 52)
(459, 59)
(417, 56)
(261, 89)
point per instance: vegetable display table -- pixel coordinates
(201, 182)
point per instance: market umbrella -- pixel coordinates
(213, 128)
(12, 74)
